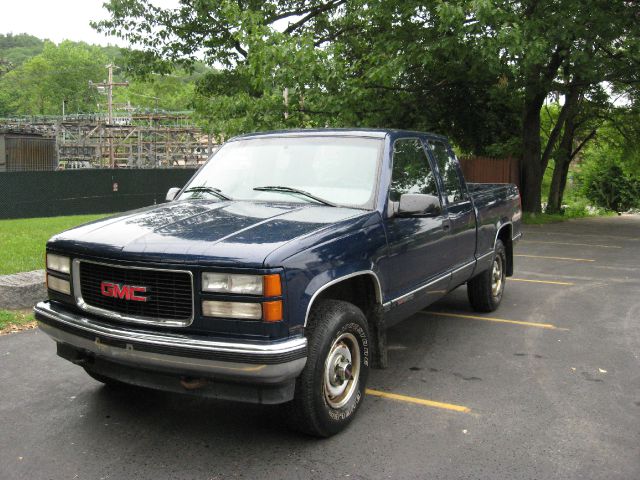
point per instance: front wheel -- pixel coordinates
(485, 290)
(331, 387)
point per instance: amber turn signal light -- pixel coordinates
(272, 286)
(272, 311)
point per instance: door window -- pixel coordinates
(447, 165)
(411, 170)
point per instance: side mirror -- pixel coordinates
(419, 204)
(171, 194)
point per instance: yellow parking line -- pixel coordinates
(547, 326)
(511, 279)
(572, 244)
(558, 258)
(419, 401)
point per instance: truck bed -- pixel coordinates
(496, 203)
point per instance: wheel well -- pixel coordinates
(361, 290)
(507, 239)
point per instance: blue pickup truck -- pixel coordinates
(273, 275)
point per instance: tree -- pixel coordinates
(465, 68)
(584, 115)
(16, 49)
(60, 73)
(544, 41)
(342, 64)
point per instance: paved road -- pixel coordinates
(554, 401)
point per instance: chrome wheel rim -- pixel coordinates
(341, 370)
(497, 280)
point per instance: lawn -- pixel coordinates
(544, 218)
(22, 241)
(15, 320)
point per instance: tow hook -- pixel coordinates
(190, 383)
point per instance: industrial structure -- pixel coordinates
(126, 140)
(24, 151)
(123, 137)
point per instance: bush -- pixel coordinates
(607, 185)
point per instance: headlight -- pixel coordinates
(58, 284)
(58, 263)
(247, 311)
(267, 285)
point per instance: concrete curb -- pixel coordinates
(22, 290)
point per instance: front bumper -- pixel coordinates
(176, 354)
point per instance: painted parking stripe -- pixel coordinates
(572, 244)
(598, 236)
(557, 258)
(550, 282)
(418, 401)
(548, 326)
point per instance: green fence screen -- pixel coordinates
(72, 192)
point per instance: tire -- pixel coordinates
(331, 387)
(486, 289)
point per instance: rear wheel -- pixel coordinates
(331, 387)
(485, 290)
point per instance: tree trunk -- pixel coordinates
(561, 168)
(531, 179)
(565, 152)
(538, 81)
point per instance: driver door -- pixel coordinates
(415, 270)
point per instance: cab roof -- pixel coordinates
(336, 132)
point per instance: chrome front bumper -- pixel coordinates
(254, 363)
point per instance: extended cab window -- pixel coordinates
(411, 170)
(447, 165)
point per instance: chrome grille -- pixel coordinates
(169, 293)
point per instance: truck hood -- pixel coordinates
(200, 232)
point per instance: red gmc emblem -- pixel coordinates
(128, 292)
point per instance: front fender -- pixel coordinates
(311, 271)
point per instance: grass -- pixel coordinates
(22, 241)
(15, 320)
(574, 207)
(543, 218)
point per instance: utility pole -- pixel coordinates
(108, 85)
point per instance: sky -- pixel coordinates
(59, 20)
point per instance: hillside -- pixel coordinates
(37, 76)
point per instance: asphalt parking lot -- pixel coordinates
(546, 387)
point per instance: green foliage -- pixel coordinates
(475, 70)
(343, 64)
(462, 68)
(60, 73)
(50, 73)
(607, 183)
(578, 208)
(16, 49)
(172, 92)
(609, 174)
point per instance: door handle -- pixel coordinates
(446, 226)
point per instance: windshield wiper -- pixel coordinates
(279, 188)
(214, 191)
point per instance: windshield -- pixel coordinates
(336, 170)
